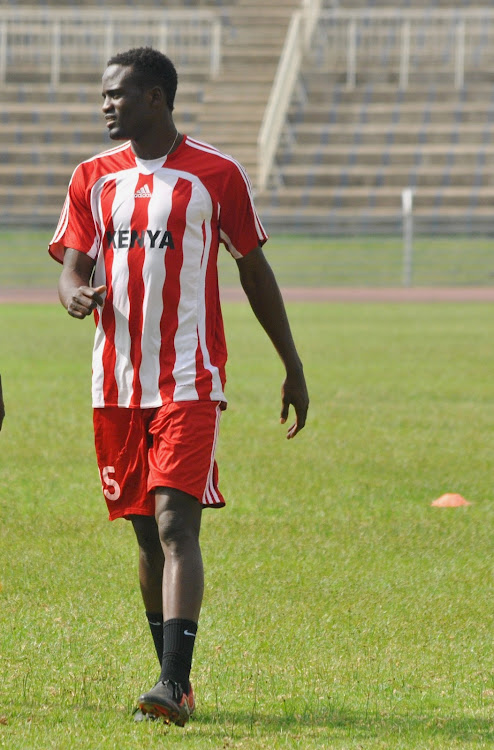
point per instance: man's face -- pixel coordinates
(126, 106)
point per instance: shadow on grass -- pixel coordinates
(333, 724)
(363, 725)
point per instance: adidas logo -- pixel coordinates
(143, 192)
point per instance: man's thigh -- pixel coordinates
(122, 442)
(182, 454)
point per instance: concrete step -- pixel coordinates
(35, 175)
(42, 93)
(429, 154)
(316, 134)
(267, 35)
(405, 4)
(254, 14)
(243, 112)
(148, 4)
(37, 200)
(315, 84)
(280, 216)
(326, 153)
(52, 173)
(77, 74)
(225, 132)
(229, 95)
(381, 176)
(407, 113)
(77, 115)
(261, 5)
(352, 131)
(325, 199)
(247, 57)
(431, 67)
(69, 155)
(478, 77)
(58, 133)
(51, 154)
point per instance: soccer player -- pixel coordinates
(2, 405)
(138, 237)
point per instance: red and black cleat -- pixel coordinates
(168, 701)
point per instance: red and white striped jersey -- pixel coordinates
(153, 229)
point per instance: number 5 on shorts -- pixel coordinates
(112, 489)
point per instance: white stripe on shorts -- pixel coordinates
(210, 496)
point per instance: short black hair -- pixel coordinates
(152, 68)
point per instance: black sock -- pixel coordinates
(155, 620)
(178, 644)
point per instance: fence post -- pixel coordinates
(351, 64)
(55, 53)
(407, 210)
(3, 51)
(215, 48)
(108, 50)
(460, 55)
(163, 38)
(405, 55)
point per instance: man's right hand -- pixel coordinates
(84, 299)
(74, 290)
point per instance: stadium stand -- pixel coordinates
(50, 121)
(360, 131)
(366, 120)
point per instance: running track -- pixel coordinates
(307, 294)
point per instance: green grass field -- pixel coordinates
(341, 609)
(299, 261)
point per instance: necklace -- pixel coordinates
(176, 136)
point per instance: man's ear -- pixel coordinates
(157, 96)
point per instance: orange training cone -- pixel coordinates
(450, 500)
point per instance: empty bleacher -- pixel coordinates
(49, 125)
(361, 130)
(365, 122)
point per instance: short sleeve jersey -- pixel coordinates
(154, 229)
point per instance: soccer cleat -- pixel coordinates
(167, 701)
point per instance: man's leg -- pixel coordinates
(151, 564)
(178, 517)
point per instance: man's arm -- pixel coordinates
(74, 290)
(263, 293)
(2, 406)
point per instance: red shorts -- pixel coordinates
(171, 446)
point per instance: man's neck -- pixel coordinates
(161, 146)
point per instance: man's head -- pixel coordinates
(139, 89)
(150, 68)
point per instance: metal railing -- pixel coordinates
(398, 48)
(57, 45)
(279, 100)
(297, 40)
(405, 47)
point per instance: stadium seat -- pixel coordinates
(42, 123)
(348, 151)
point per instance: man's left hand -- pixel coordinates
(294, 393)
(2, 407)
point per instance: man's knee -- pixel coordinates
(146, 531)
(178, 516)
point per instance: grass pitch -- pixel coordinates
(298, 261)
(341, 610)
